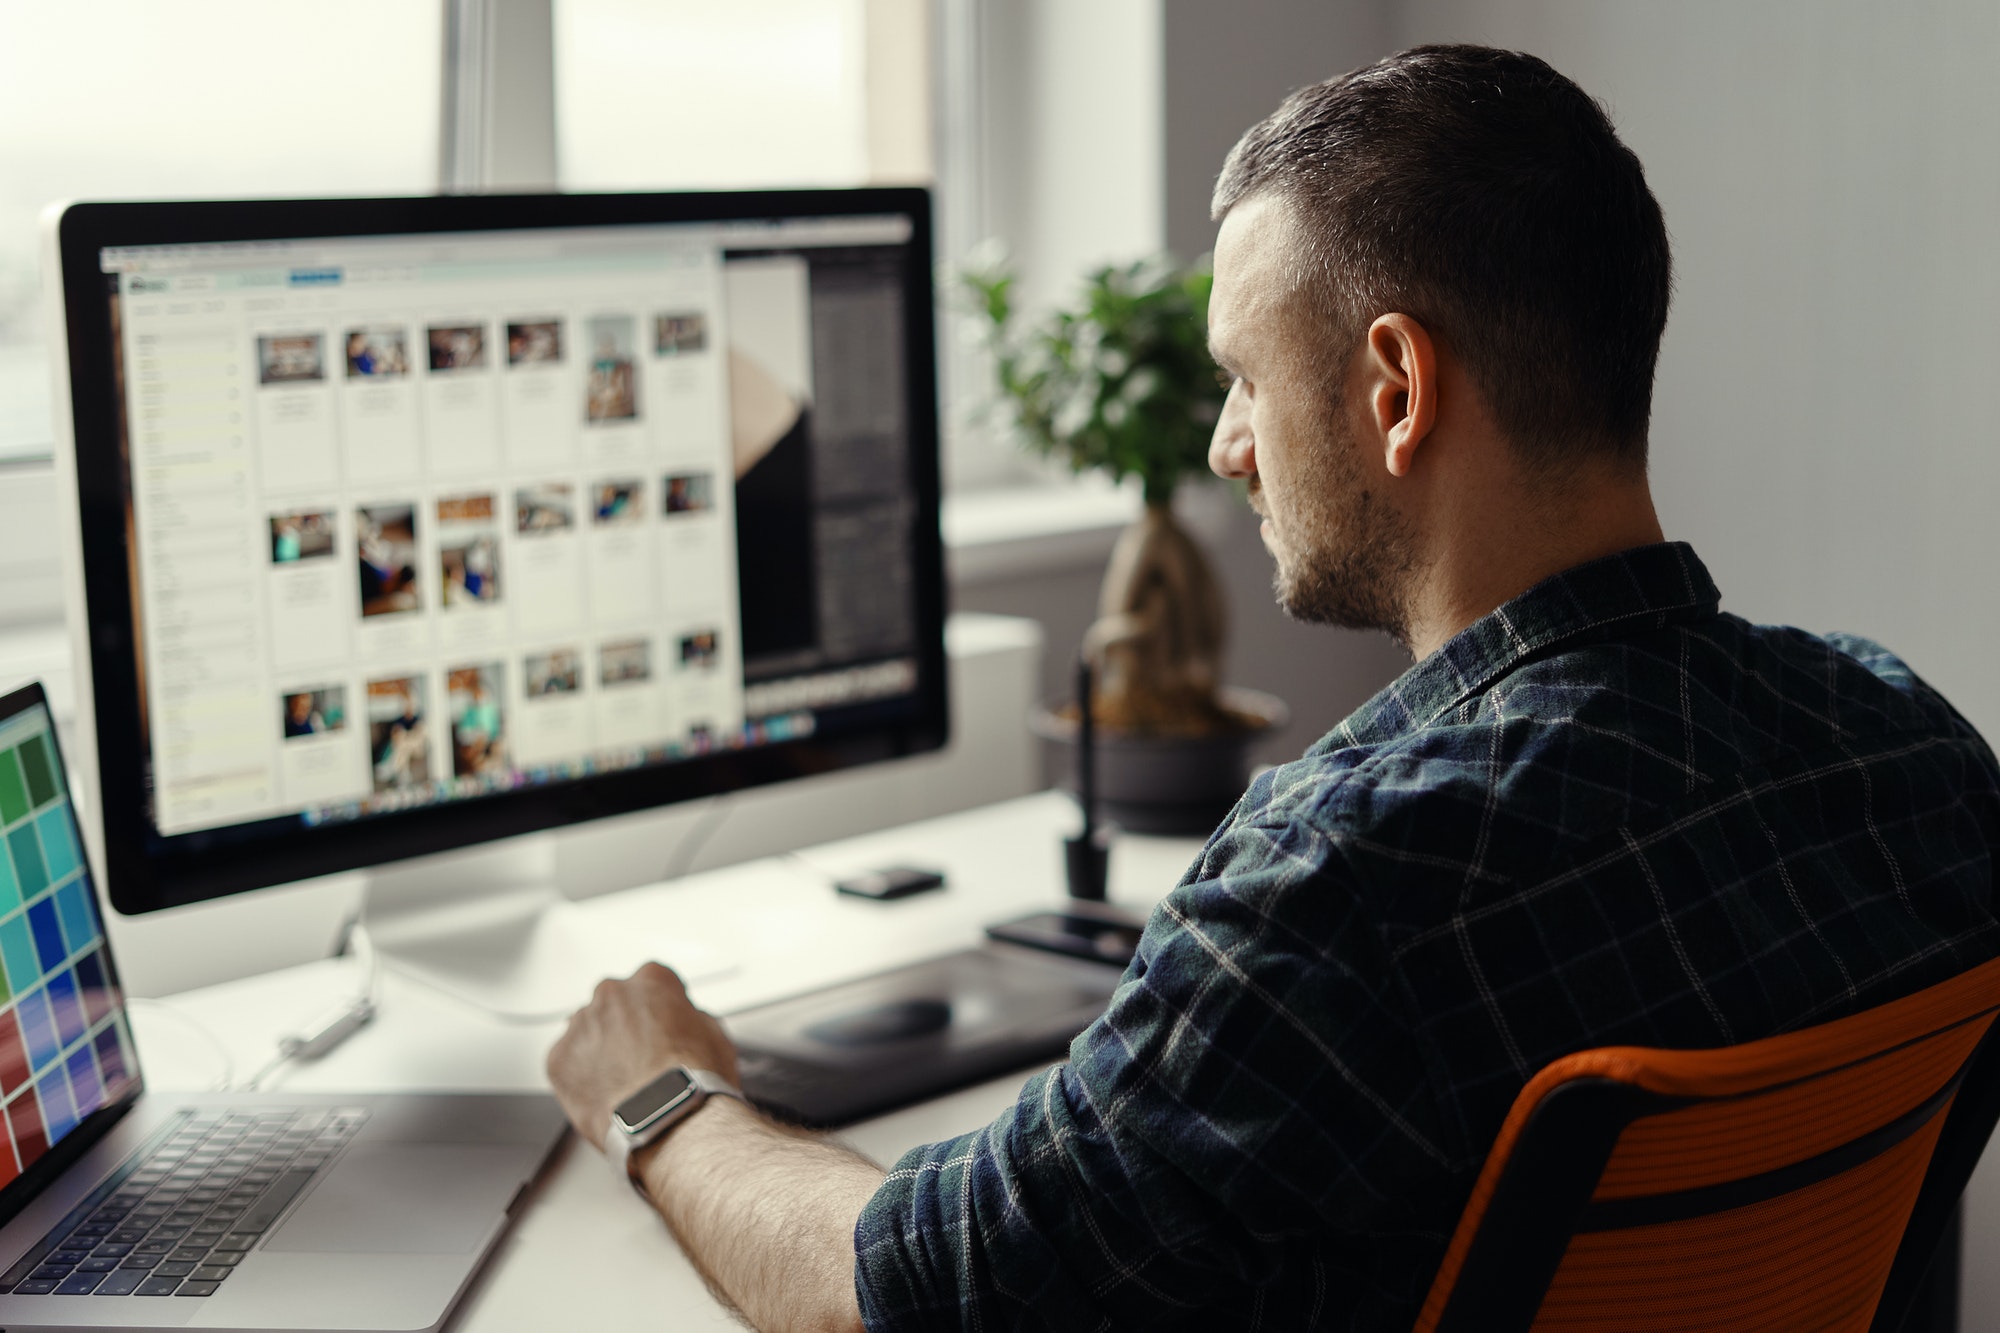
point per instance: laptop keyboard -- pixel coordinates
(178, 1216)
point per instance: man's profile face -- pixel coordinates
(1343, 552)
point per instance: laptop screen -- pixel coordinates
(65, 1048)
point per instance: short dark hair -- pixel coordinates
(1487, 196)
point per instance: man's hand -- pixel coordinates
(766, 1214)
(626, 1036)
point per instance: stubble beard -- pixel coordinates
(1349, 561)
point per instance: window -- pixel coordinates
(688, 94)
(138, 99)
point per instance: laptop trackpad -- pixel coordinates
(407, 1198)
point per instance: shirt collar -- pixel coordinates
(1662, 583)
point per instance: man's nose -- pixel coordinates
(1232, 451)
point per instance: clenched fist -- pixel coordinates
(629, 1032)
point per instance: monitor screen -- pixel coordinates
(412, 536)
(64, 1047)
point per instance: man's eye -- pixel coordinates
(1225, 379)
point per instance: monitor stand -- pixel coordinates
(488, 927)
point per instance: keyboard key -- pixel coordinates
(153, 1246)
(113, 1250)
(52, 1272)
(194, 1288)
(121, 1283)
(237, 1240)
(98, 1263)
(225, 1258)
(212, 1272)
(34, 1287)
(127, 1235)
(172, 1269)
(141, 1260)
(79, 1284)
(158, 1286)
(192, 1253)
(71, 1255)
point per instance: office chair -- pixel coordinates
(1798, 1182)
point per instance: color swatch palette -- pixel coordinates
(64, 1048)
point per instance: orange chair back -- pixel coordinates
(1762, 1186)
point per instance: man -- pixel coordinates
(1596, 810)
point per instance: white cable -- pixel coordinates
(689, 847)
(334, 1026)
(377, 964)
(228, 1075)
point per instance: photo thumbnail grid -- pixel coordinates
(64, 1049)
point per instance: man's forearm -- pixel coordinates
(766, 1213)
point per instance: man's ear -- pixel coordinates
(1399, 369)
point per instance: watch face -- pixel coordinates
(656, 1098)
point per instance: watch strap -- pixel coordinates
(620, 1145)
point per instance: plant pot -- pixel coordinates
(1175, 785)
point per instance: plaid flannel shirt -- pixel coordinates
(1604, 813)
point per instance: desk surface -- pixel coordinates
(740, 936)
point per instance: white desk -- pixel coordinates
(742, 935)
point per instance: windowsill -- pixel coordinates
(1020, 531)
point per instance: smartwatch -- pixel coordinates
(656, 1108)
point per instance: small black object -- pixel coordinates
(1087, 856)
(890, 882)
(1102, 939)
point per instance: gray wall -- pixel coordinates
(1228, 66)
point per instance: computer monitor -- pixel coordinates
(408, 524)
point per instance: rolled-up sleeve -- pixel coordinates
(1233, 1136)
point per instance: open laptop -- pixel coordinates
(126, 1209)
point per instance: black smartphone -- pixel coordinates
(1097, 938)
(890, 882)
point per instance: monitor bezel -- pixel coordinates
(144, 873)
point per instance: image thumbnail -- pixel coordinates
(291, 358)
(612, 391)
(458, 346)
(698, 650)
(624, 660)
(468, 550)
(385, 538)
(536, 343)
(398, 751)
(547, 507)
(378, 352)
(557, 671)
(690, 493)
(679, 334)
(616, 501)
(302, 534)
(478, 728)
(315, 712)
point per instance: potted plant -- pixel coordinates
(1122, 383)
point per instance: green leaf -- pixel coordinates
(1118, 382)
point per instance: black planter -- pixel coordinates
(1176, 785)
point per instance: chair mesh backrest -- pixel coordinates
(1761, 1186)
